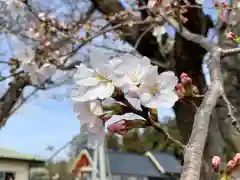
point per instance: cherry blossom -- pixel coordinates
(97, 82)
(134, 76)
(39, 76)
(158, 90)
(86, 114)
(131, 70)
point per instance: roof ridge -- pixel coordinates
(13, 154)
(155, 162)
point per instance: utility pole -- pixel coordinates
(95, 163)
(102, 162)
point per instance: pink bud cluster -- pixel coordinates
(231, 165)
(123, 126)
(185, 80)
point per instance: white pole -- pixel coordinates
(95, 163)
(102, 163)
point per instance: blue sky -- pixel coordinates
(43, 121)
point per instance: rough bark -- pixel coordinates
(231, 72)
(11, 96)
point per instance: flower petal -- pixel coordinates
(162, 101)
(167, 81)
(89, 81)
(47, 70)
(151, 76)
(84, 93)
(37, 78)
(104, 90)
(145, 98)
(96, 107)
(83, 72)
(29, 67)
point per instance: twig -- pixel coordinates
(158, 127)
(142, 35)
(149, 122)
(229, 52)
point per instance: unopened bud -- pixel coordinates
(237, 158)
(216, 160)
(231, 36)
(180, 90)
(183, 75)
(106, 117)
(230, 166)
(119, 127)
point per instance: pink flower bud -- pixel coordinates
(216, 160)
(183, 75)
(180, 90)
(230, 35)
(185, 78)
(119, 127)
(167, 6)
(179, 86)
(237, 158)
(231, 165)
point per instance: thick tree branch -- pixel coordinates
(11, 96)
(194, 150)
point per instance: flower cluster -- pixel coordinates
(109, 76)
(185, 88)
(37, 75)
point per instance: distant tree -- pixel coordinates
(112, 141)
(132, 142)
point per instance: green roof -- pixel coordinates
(11, 154)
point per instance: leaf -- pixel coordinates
(237, 40)
(225, 177)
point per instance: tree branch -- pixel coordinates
(11, 96)
(194, 150)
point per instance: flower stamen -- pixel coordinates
(154, 90)
(101, 78)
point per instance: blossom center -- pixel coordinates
(134, 76)
(101, 78)
(154, 90)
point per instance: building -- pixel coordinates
(17, 165)
(130, 166)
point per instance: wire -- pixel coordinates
(108, 161)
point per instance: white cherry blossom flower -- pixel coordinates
(29, 67)
(87, 116)
(38, 76)
(16, 8)
(157, 91)
(25, 55)
(95, 83)
(131, 70)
